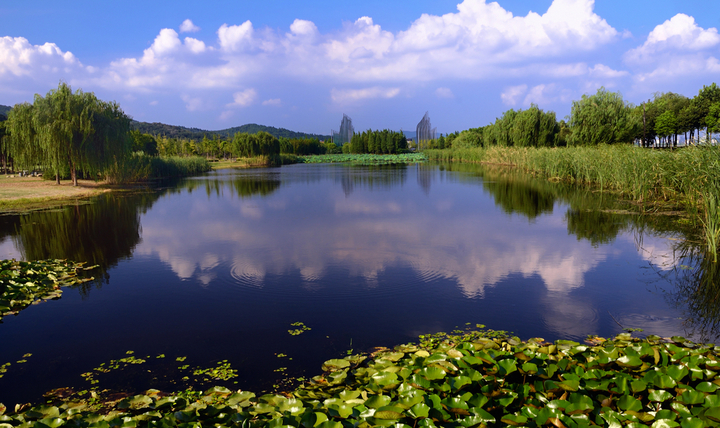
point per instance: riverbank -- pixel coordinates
(20, 194)
(687, 179)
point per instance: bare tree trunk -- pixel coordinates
(73, 174)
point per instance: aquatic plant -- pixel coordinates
(468, 379)
(24, 283)
(365, 159)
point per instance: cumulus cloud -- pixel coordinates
(675, 48)
(480, 40)
(235, 37)
(344, 95)
(19, 58)
(243, 98)
(679, 34)
(188, 27)
(272, 102)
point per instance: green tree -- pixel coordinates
(666, 124)
(69, 130)
(712, 120)
(145, 143)
(603, 118)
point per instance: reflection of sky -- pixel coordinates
(8, 250)
(453, 233)
(441, 230)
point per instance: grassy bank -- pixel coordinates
(23, 194)
(686, 178)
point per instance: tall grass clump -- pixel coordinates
(142, 167)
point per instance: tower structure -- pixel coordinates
(425, 132)
(346, 131)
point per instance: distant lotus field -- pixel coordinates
(365, 159)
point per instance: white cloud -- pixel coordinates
(480, 40)
(188, 27)
(235, 37)
(20, 58)
(243, 98)
(272, 102)
(603, 71)
(444, 93)
(678, 47)
(678, 34)
(345, 95)
(195, 45)
(512, 94)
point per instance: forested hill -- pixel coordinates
(4, 111)
(197, 134)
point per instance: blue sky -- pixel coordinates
(301, 65)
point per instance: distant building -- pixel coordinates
(346, 131)
(425, 132)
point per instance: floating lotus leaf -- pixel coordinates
(331, 365)
(432, 373)
(389, 413)
(691, 422)
(377, 401)
(629, 361)
(514, 420)
(713, 414)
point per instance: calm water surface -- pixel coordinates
(218, 267)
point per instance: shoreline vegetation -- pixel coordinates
(467, 378)
(655, 180)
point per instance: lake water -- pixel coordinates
(218, 267)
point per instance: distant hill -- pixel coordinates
(4, 111)
(171, 131)
(197, 134)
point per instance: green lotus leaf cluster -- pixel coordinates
(464, 381)
(24, 283)
(366, 159)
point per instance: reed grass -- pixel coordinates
(141, 167)
(688, 178)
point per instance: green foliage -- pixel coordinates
(251, 145)
(303, 146)
(603, 118)
(142, 167)
(22, 283)
(378, 142)
(66, 129)
(143, 143)
(366, 159)
(666, 124)
(461, 379)
(712, 120)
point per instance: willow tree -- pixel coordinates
(22, 142)
(603, 118)
(68, 130)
